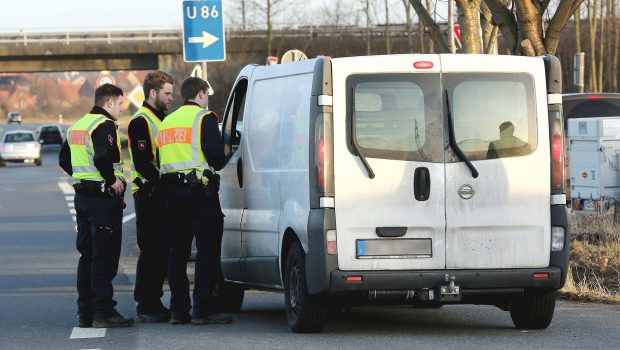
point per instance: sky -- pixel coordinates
(77, 15)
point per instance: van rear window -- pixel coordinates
(494, 114)
(396, 116)
(18, 137)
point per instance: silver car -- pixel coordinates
(19, 146)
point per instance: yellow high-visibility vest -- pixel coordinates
(153, 123)
(79, 138)
(178, 141)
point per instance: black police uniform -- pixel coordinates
(193, 210)
(99, 222)
(152, 238)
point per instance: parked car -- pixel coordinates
(590, 105)
(50, 134)
(422, 180)
(14, 117)
(20, 146)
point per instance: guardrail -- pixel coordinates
(153, 36)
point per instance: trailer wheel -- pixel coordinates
(533, 310)
(305, 313)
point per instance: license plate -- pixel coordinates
(394, 248)
(19, 147)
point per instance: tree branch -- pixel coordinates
(503, 18)
(441, 44)
(528, 49)
(557, 24)
(530, 21)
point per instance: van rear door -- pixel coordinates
(389, 112)
(501, 219)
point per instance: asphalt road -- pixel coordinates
(37, 296)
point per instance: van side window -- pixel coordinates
(232, 126)
(494, 114)
(396, 116)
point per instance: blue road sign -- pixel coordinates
(203, 31)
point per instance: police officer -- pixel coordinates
(190, 149)
(152, 238)
(92, 156)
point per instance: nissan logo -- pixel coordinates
(466, 191)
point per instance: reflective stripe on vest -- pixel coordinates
(153, 124)
(79, 138)
(174, 133)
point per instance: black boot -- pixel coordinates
(157, 314)
(213, 319)
(85, 320)
(111, 320)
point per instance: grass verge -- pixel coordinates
(594, 273)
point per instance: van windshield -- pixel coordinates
(396, 116)
(494, 114)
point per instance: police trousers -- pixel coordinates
(152, 239)
(190, 213)
(99, 226)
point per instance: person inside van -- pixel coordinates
(508, 145)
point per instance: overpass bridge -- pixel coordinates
(136, 49)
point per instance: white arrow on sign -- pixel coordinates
(206, 39)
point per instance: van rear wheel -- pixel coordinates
(533, 310)
(305, 313)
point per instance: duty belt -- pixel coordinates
(176, 179)
(93, 188)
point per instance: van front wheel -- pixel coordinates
(533, 310)
(305, 313)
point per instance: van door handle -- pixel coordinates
(240, 172)
(421, 184)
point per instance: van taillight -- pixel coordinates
(324, 161)
(557, 150)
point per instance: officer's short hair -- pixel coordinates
(156, 80)
(105, 92)
(191, 86)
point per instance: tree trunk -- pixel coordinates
(577, 31)
(269, 28)
(431, 41)
(421, 33)
(530, 24)
(601, 51)
(487, 26)
(491, 49)
(470, 25)
(367, 10)
(409, 25)
(557, 23)
(387, 28)
(616, 46)
(504, 19)
(435, 33)
(592, 21)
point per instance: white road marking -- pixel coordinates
(72, 211)
(83, 333)
(71, 204)
(66, 188)
(129, 217)
(69, 198)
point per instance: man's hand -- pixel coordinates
(118, 187)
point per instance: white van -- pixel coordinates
(406, 179)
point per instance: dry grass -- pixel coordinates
(595, 259)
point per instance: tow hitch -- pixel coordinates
(449, 291)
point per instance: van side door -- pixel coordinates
(231, 182)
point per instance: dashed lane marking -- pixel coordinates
(129, 217)
(83, 333)
(68, 190)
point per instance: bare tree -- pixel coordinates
(387, 27)
(270, 8)
(424, 16)
(336, 12)
(366, 9)
(616, 45)
(601, 53)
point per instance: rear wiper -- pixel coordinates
(356, 147)
(457, 150)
